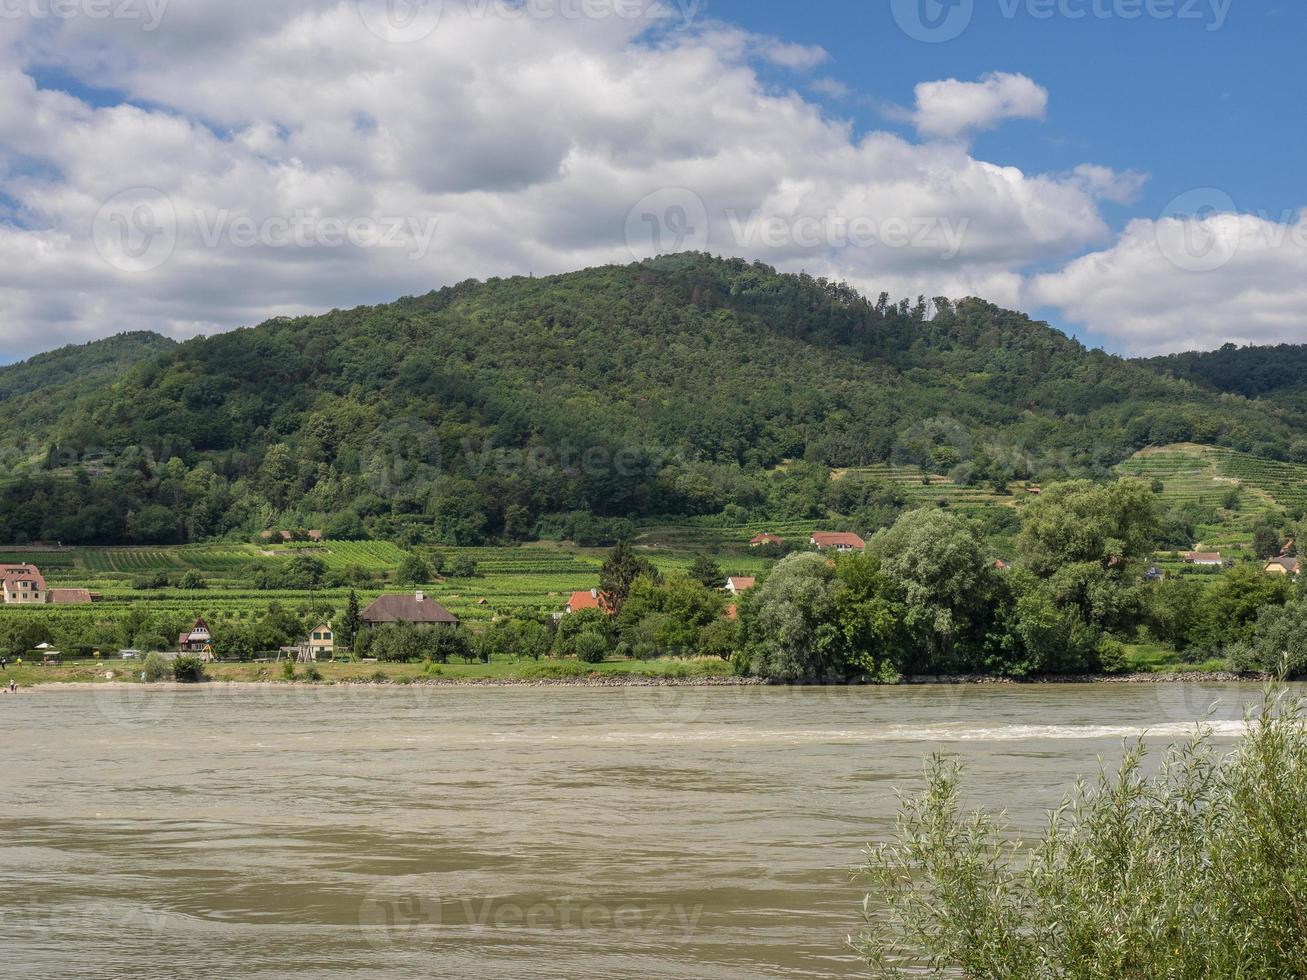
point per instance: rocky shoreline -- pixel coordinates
(1181, 677)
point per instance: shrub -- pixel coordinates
(311, 673)
(591, 647)
(1195, 872)
(156, 668)
(188, 670)
(288, 670)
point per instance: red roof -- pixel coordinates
(838, 539)
(589, 599)
(70, 596)
(23, 573)
(738, 583)
(765, 539)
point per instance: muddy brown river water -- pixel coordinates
(325, 833)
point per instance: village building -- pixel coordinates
(740, 583)
(1205, 558)
(758, 540)
(322, 640)
(73, 597)
(198, 640)
(414, 607)
(1284, 565)
(590, 599)
(23, 585)
(840, 541)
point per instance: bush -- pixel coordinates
(591, 647)
(156, 668)
(188, 670)
(1196, 872)
(311, 673)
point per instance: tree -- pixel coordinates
(351, 624)
(787, 623)
(591, 647)
(1195, 872)
(1266, 540)
(945, 582)
(192, 580)
(413, 570)
(620, 569)
(305, 571)
(707, 572)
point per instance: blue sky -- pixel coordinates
(1135, 180)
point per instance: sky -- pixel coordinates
(1129, 170)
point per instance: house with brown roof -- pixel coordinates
(592, 599)
(758, 540)
(73, 597)
(22, 585)
(197, 640)
(411, 607)
(1284, 565)
(841, 541)
(1206, 558)
(740, 583)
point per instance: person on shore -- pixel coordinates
(13, 686)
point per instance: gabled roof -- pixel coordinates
(1286, 562)
(1201, 556)
(411, 607)
(738, 583)
(766, 538)
(588, 599)
(70, 596)
(837, 539)
(22, 573)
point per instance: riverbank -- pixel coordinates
(222, 677)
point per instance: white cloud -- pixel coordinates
(951, 108)
(525, 143)
(1189, 283)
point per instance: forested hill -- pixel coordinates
(492, 410)
(1276, 373)
(88, 364)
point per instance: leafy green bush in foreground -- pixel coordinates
(1198, 872)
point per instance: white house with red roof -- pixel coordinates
(197, 640)
(23, 585)
(841, 541)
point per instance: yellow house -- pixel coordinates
(22, 585)
(1282, 566)
(322, 640)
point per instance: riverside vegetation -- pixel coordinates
(1198, 871)
(927, 598)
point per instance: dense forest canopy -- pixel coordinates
(518, 407)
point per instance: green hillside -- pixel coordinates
(671, 390)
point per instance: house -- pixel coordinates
(840, 541)
(593, 599)
(758, 540)
(413, 608)
(73, 597)
(322, 640)
(22, 584)
(740, 583)
(1207, 558)
(198, 640)
(1284, 565)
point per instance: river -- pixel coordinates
(500, 832)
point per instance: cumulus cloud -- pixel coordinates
(272, 159)
(1189, 282)
(951, 108)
